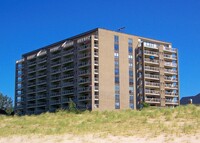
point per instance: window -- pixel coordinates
(116, 63)
(116, 71)
(130, 49)
(116, 47)
(131, 73)
(130, 56)
(117, 87)
(116, 80)
(116, 55)
(130, 41)
(116, 38)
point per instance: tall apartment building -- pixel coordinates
(98, 70)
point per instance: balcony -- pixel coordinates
(42, 60)
(54, 56)
(68, 92)
(84, 47)
(170, 79)
(152, 100)
(96, 54)
(56, 78)
(84, 80)
(41, 96)
(96, 37)
(31, 98)
(41, 75)
(84, 89)
(84, 64)
(150, 45)
(31, 105)
(151, 53)
(68, 84)
(65, 100)
(55, 86)
(172, 57)
(68, 68)
(84, 55)
(96, 71)
(96, 46)
(31, 70)
(54, 71)
(55, 94)
(41, 82)
(85, 98)
(84, 72)
(148, 68)
(147, 60)
(171, 101)
(96, 62)
(53, 102)
(170, 64)
(152, 84)
(170, 71)
(68, 60)
(42, 68)
(171, 94)
(169, 49)
(152, 92)
(96, 88)
(68, 76)
(42, 104)
(55, 63)
(32, 63)
(171, 86)
(68, 52)
(151, 76)
(41, 89)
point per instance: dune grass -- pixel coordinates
(150, 121)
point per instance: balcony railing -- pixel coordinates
(151, 61)
(170, 79)
(67, 92)
(68, 60)
(66, 84)
(83, 72)
(82, 64)
(68, 76)
(152, 91)
(171, 94)
(55, 94)
(169, 49)
(171, 101)
(152, 84)
(170, 64)
(170, 71)
(170, 56)
(84, 47)
(55, 102)
(150, 52)
(150, 45)
(171, 86)
(151, 76)
(85, 98)
(151, 68)
(152, 99)
(83, 89)
(84, 55)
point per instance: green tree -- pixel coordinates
(72, 106)
(6, 103)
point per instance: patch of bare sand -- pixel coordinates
(100, 139)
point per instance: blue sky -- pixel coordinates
(26, 25)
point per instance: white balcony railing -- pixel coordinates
(151, 76)
(151, 61)
(169, 49)
(151, 68)
(152, 84)
(170, 64)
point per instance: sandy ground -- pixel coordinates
(98, 139)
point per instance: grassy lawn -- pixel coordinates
(150, 121)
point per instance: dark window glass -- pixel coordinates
(116, 47)
(116, 71)
(130, 49)
(116, 79)
(116, 39)
(130, 73)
